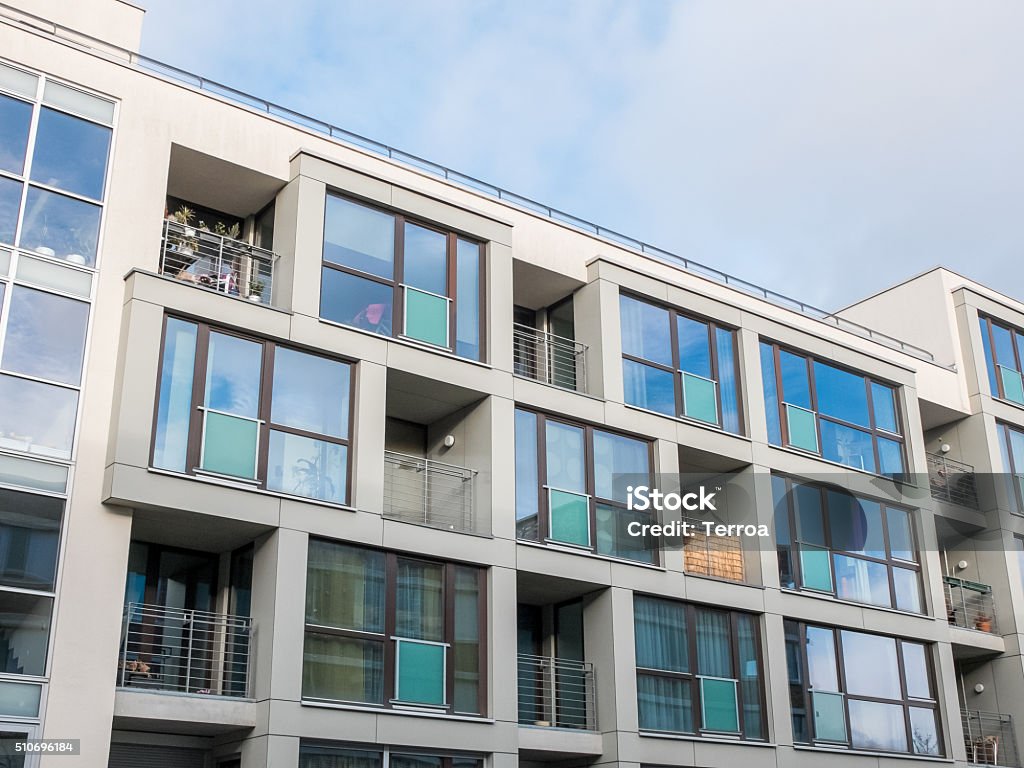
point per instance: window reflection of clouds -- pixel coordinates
(45, 336)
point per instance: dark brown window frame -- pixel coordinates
(396, 282)
(1012, 470)
(543, 511)
(386, 639)
(874, 431)
(889, 561)
(693, 677)
(195, 429)
(447, 757)
(677, 371)
(991, 350)
(841, 675)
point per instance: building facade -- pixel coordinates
(310, 456)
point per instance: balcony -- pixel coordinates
(989, 739)
(184, 651)
(216, 262)
(428, 492)
(952, 481)
(548, 358)
(969, 605)
(556, 693)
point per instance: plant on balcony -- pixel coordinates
(983, 623)
(256, 287)
(185, 241)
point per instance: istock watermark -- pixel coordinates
(643, 498)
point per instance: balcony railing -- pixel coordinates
(718, 556)
(552, 359)
(557, 693)
(989, 739)
(216, 262)
(186, 651)
(952, 481)
(970, 604)
(428, 492)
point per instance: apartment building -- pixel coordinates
(309, 453)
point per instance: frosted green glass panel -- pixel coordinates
(230, 445)
(19, 699)
(699, 398)
(1013, 385)
(829, 716)
(718, 705)
(815, 567)
(420, 675)
(803, 428)
(426, 317)
(570, 518)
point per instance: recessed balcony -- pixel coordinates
(952, 481)
(989, 739)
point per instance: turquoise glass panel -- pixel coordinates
(718, 705)
(815, 567)
(699, 400)
(1013, 385)
(829, 716)
(19, 699)
(420, 674)
(570, 518)
(426, 317)
(230, 445)
(803, 428)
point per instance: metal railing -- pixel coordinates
(419, 490)
(543, 356)
(556, 693)
(718, 556)
(952, 481)
(182, 650)
(989, 739)
(216, 262)
(969, 604)
(262, 106)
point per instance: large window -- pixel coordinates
(253, 411)
(679, 365)
(397, 277)
(857, 549)
(860, 690)
(328, 755)
(1004, 358)
(571, 485)
(388, 630)
(698, 669)
(842, 416)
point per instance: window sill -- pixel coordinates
(406, 342)
(853, 603)
(571, 550)
(870, 753)
(396, 711)
(707, 739)
(248, 487)
(689, 422)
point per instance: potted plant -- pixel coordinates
(983, 623)
(185, 241)
(255, 288)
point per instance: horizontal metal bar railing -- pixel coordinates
(952, 480)
(429, 492)
(214, 261)
(989, 739)
(718, 556)
(556, 693)
(969, 604)
(186, 651)
(180, 76)
(543, 356)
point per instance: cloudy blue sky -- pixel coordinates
(823, 149)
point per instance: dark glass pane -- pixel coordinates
(466, 648)
(413, 761)
(660, 634)
(467, 306)
(871, 665)
(527, 489)
(848, 446)
(664, 703)
(359, 237)
(694, 347)
(884, 400)
(343, 669)
(714, 649)
(10, 204)
(355, 301)
(783, 534)
(771, 395)
(345, 587)
(645, 331)
(877, 726)
(170, 443)
(29, 539)
(728, 386)
(57, 225)
(15, 116)
(37, 418)
(797, 684)
(70, 154)
(24, 633)
(310, 393)
(613, 538)
(796, 388)
(425, 264)
(750, 676)
(619, 462)
(45, 336)
(233, 373)
(856, 524)
(648, 387)
(316, 756)
(419, 600)
(841, 394)
(809, 519)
